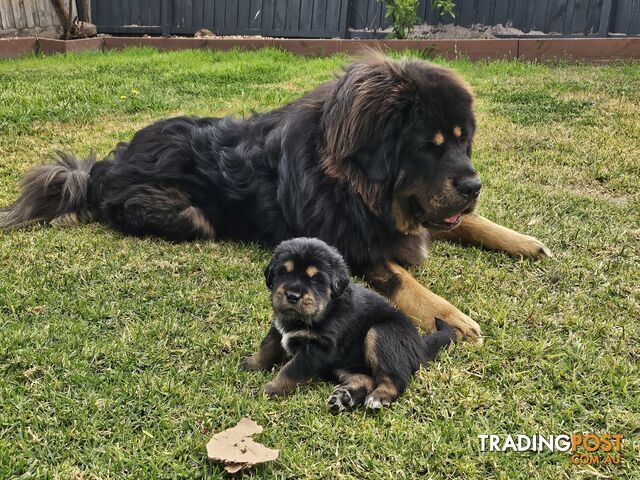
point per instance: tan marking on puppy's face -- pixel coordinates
(278, 298)
(438, 138)
(457, 131)
(288, 266)
(310, 306)
(312, 271)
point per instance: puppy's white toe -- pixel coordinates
(372, 402)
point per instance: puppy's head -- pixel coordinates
(304, 275)
(400, 134)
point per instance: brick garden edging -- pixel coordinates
(50, 47)
(17, 47)
(544, 49)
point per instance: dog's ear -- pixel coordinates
(268, 273)
(363, 114)
(339, 280)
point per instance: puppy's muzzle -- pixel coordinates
(292, 297)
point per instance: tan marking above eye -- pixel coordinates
(457, 132)
(438, 138)
(311, 271)
(288, 266)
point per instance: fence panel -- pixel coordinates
(626, 17)
(351, 18)
(29, 17)
(291, 18)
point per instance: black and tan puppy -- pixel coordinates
(327, 327)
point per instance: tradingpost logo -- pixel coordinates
(590, 449)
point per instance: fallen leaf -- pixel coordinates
(237, 450)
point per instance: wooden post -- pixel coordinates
(65, 19)
(605, 18)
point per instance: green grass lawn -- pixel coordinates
(118, 355)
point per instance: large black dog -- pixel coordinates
(376, 163)
(325, 326)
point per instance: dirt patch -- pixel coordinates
(450, 31)
(206, 33)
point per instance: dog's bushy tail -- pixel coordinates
(434, 342)
(55, 193)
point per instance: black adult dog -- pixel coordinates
(328, 327)
(376, 163)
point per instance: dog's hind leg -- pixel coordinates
(160, 211)
(353, 389)
(71, 219)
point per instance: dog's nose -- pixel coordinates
(292, 297)
(469, 186)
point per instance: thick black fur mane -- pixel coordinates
(355, 163)
(258, 179)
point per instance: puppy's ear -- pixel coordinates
(363, 114)
(268, 273)
(339, 281)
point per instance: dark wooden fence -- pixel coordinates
(356, 18)
(277, 18)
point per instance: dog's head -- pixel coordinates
(303, 276)
(400, 134)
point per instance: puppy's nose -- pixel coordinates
(292, 297)
(469, 186)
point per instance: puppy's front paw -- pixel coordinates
(249, 364)
(274, 389)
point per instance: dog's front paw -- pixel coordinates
(466, 328)
(249, 364)
(530, 247)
